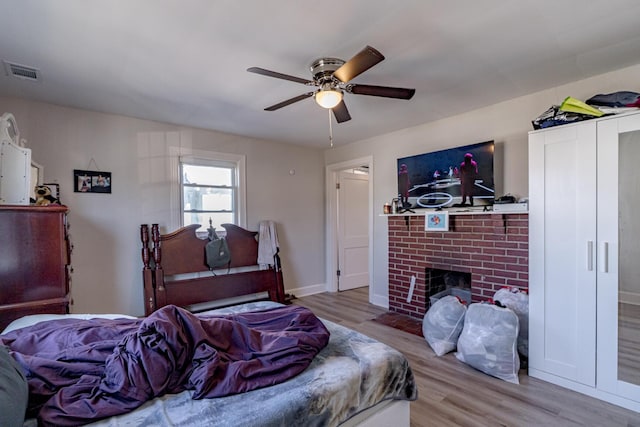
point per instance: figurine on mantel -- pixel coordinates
(403, 187)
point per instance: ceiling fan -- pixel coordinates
(331, 77)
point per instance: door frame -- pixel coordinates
(332, 172)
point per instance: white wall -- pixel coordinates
(105, 228)
(506, 123)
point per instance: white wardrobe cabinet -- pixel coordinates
(584, 257)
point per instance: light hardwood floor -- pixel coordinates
(451, 393)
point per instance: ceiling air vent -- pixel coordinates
(21, 71)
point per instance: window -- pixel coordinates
(211, 190)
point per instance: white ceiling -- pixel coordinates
(184, 61)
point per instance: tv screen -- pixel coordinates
(459, 176)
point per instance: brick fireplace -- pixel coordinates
(492, 248)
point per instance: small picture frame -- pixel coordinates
(437, 221)
(91, 181)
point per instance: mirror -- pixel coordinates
(9, 129)
(629, 251)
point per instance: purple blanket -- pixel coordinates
(80, 371)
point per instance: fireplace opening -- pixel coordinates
(445, 281)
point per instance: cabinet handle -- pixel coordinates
(605, 257)
(590, 255)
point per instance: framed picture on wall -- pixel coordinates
(437, 221)
(91, 181)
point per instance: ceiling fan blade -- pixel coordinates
(365, 59)
(277, 75)
(385, 91)
(341, 113)
(289, 101)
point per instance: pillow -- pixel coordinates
(14, 392)
(25, 321)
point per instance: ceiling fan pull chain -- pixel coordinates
(330, 129)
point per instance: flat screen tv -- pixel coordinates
(459, 176)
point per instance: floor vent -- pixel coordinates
(21, 71)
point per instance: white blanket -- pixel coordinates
(268, 245)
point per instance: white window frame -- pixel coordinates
(210, 158)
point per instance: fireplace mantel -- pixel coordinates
(455, 212)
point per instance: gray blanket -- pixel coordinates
(352, 373)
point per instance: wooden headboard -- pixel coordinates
(182, 252)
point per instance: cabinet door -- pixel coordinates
(562, 235)
(619, 256)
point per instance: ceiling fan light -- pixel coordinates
(328, 98)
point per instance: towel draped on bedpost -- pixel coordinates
(268, 245)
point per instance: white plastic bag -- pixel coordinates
(518, 301)
(443, 323)
(488, 341)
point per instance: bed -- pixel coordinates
(348, 379)
(175, 269)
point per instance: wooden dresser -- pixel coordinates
(34, 261)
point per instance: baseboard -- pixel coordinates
(589, 391)
(380, 301)
(307, 290)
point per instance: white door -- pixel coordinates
(353, 230)
(619, 256)
(562, 240)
